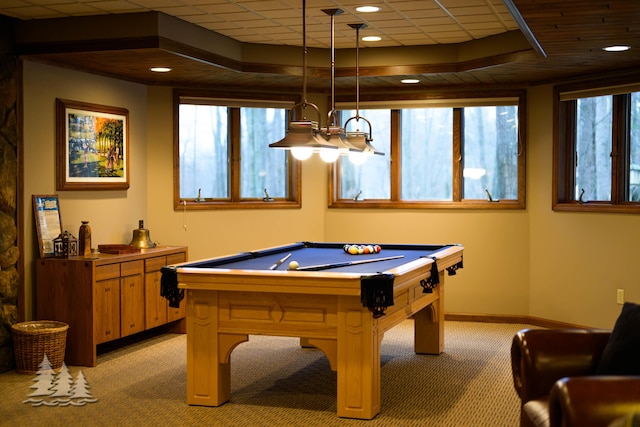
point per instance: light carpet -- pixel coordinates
(275, 382)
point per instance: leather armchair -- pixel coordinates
(554, 376)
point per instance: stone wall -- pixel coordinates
(9, 252)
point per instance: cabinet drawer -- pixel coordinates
(109, 271)
(132, 268)
(176, 258)
(155, 263)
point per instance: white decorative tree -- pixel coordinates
(43, 380)
(80, 390)
(62, 383)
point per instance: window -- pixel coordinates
(596, 154)
(426, 138)
(490, 152)
(223, 157)
(458, 153)
(358, 182)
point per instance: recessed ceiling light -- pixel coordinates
(616, 48)
(371, 39)
(410, 81)
(160, 69)
(367, 9)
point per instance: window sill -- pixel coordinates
(249, 204)
(596, 207)
(465, 204)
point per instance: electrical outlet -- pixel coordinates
(620, 296)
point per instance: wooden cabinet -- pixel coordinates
(105, 297)
(155, 306)
(132, 297)
(107, 304)
(157, 310)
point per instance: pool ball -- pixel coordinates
(293, 265)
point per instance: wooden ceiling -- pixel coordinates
(553, 40)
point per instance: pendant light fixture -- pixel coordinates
(361, 140)
(303, 136)
(334, 134)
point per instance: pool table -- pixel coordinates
(337, 305)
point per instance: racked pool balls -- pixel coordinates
(361, 249)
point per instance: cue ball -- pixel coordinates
(293, 265)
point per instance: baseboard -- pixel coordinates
(504, 318)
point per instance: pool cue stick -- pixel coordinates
(345, 263)
(277, 264)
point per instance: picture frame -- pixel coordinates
(46, 211)
(92, 146)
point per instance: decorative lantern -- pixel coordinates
(65, 245)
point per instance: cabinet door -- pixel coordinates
(107, 310)
(132, 298)
(155, 306)
(179, 312)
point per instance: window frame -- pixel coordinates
(564, 146)
(458, 101)
(294, 173)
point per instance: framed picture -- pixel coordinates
(92, 146)
(48, 222)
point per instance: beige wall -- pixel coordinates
(495, 275)
(578, 260)
(557, 266)
(112, 214)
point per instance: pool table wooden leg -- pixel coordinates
(429, 325)
(358, 361)
(208, 362)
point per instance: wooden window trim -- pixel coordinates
(457, 202)
(293, 199)
(564, 147)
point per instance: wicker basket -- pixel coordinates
(32, 340)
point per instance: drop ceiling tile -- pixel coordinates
(221, 8)
(281, 15)
(181, 11)
(153, 4)
(429, 22)
(75, 9)
(462, 3)
(117, 6)
(431, 13)
(35, 12)
(462, 11)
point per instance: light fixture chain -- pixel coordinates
(304, 53)
(333, 71)
(357, 73)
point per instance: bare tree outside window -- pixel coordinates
(372, 178)
(262, 168)
(593, 148)
(204, 150)
(427, 153)
(490, 152)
